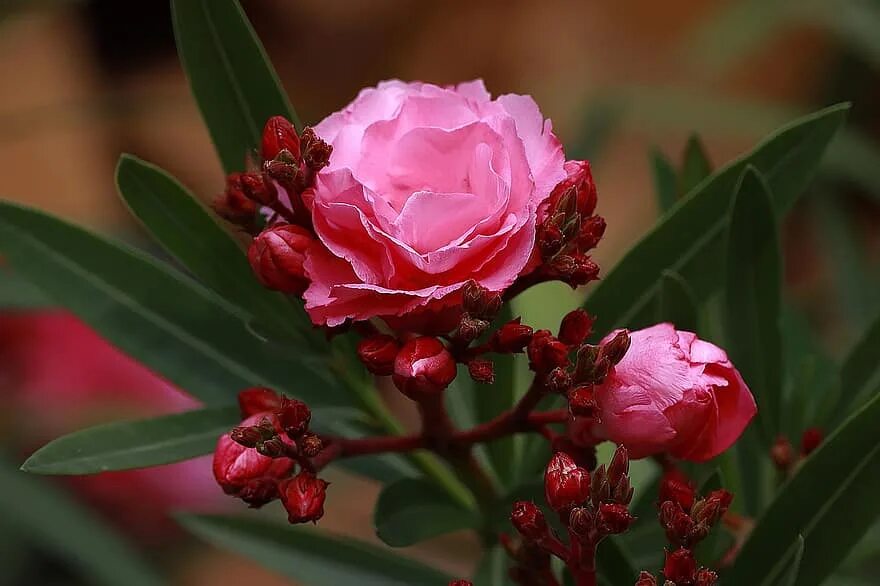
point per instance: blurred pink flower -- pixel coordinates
(427, 188)
(672, 392)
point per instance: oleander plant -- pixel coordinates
(382, 251)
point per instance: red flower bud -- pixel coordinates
(782, 453)
(614, 518)
(278, 135)
(580, 180)
(511, 337)
(810, 440)
(258, 400)
(423, 366)
(235, 205)
(678, 488)
(461, 583)
(592, 230)
(710, 509)
(706, 577)
(254, 186)
(546, 352)
(677, 524)
(315, 152)
(310, 445)
(479, 301)
(293, 416)
(528, 520)
(277, 256)
(378, 352)
(581, 401)
(576, 270)
(558, 381)
(565, 484)
(303, 497)
(575, 327)
(646, 579)
(680, 566)
(482, 370)
(242, 472)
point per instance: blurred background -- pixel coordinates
(84, 81)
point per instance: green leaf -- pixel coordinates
(753, 297)
(160, 318)
(665, 180)
(232, 80)
(794, 569)
(689, 239)
(860, 373)
(52, 521)
(124, 445)
(695, 167)
(492, 570)
(613, 562)
(413, 510)
(831, 501)
(314, 557)
(676, 303)
(17, 293)
(190, 233)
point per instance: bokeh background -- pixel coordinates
(83, 81)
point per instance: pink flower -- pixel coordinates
(427, 188)
(672, 392)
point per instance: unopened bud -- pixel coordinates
(782, 454)
(575, 327)
(618, 468)
(279, 135)
(678, 488)
(592, 230)
(257, 188)
(710, 509)
(479, 301)
(461, 583)
(482, 370)
(294, 416)
(546, 352)
(423, 366)
(565, 484)
(528, 520)
(810, 440)
(310, 445)
(706, 577)
(680, 566)
(615, 349)
(511, 337)
(303, 497)
(581, 521)
(234, 205)
(258, 400)
(315, 152)
(677, 524)
(470, 328)
(378, 352)
(613, 518)
(558, 381)
(272, 448)
(277, 256)
(646, 579)
(248, 437)
(582, 402)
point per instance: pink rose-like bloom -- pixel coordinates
(427, 187)
(675, 393)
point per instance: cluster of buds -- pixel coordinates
(256, 461)
(783, 454)
(590, 506)
(275, 199)
(571, 228)
(687, 520)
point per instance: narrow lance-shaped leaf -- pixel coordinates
(831, 501)
(190, 233)
(125, 445)
(689, 239)
(695, 165)
(860, 373)
(665, 180)
(676, 303)
(162, 319)
(313, 557)
(45, 516)
(753, 297)
(413, 510)
(232, 80)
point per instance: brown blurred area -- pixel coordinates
(85, 81)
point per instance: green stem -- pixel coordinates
(429, 464)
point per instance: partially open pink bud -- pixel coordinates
(258, 400)
(423, 366)
(672, 392)
(378, 353)
(511, 337)
(565, 484)
(303, 497)
(575, 327)
(293, 417)
(277, 256)
(278, 135)
(246, 474)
